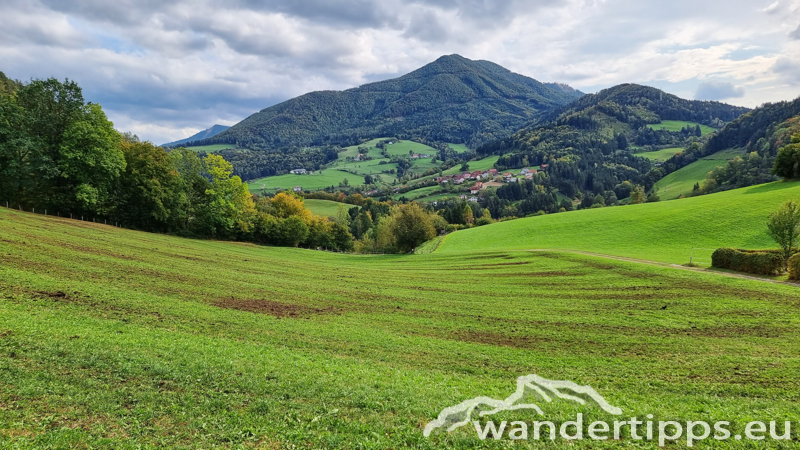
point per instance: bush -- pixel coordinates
(794, 267)
(760, 262)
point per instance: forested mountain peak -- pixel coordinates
(452, 99)
(654, 105)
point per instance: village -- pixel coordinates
(484, 179)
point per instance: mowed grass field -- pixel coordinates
(112, 338)
(677, 125)
(318, 180)
(662, 231)
(682, 181)
(324, 208)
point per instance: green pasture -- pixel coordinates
(677, 125)
(662, 231)
(660, 155)
(458, 148)
(324, 208)
(117, 339)
(211, 148)
(319, 180)
(682, 181)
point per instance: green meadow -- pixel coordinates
(212, 148)
(661, 155)
(317, 180)
(459, 148)
(682, 181)
(111, 338)
(677, 125)
(662, 231)
(324, 208)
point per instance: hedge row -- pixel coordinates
(794, 267)
(760, 262)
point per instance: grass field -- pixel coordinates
(324, 208)
(663, 231)
(319, 180)
(418, 193)
(459, 148)
(677, 125)
(682, 181)
(660, 155)
(112, 338)
(212, 148)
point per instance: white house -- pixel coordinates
(298, 189)
(298, 171)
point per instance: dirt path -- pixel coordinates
(663, 264)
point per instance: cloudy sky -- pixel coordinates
(164, 69)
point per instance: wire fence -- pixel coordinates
(60, 214)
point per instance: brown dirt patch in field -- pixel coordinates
(273, 308)
(56, 294)
(490, 338)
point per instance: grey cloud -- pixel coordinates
(788, 70)
(353, 13)
(427, 27)
(795, 34)
(487, 12)
(718, 90)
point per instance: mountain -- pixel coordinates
(588, 145)
(205, 134)
(452, 99)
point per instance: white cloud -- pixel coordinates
(168, 69)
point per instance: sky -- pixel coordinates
(165, 70)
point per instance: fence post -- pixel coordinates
(33, 210)
(691, 256)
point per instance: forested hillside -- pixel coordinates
(589, 147)
(761, 133)
(453, 99)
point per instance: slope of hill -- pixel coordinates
(663, 231)
(111, 338)
(682, 181)
(587, 144)
(760, 133)
(205, 134)
(452, 99)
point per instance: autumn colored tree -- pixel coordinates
(412, 227)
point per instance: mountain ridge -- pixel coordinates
(452, 99)
(205, 134)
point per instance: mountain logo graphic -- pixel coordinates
(461, 414)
